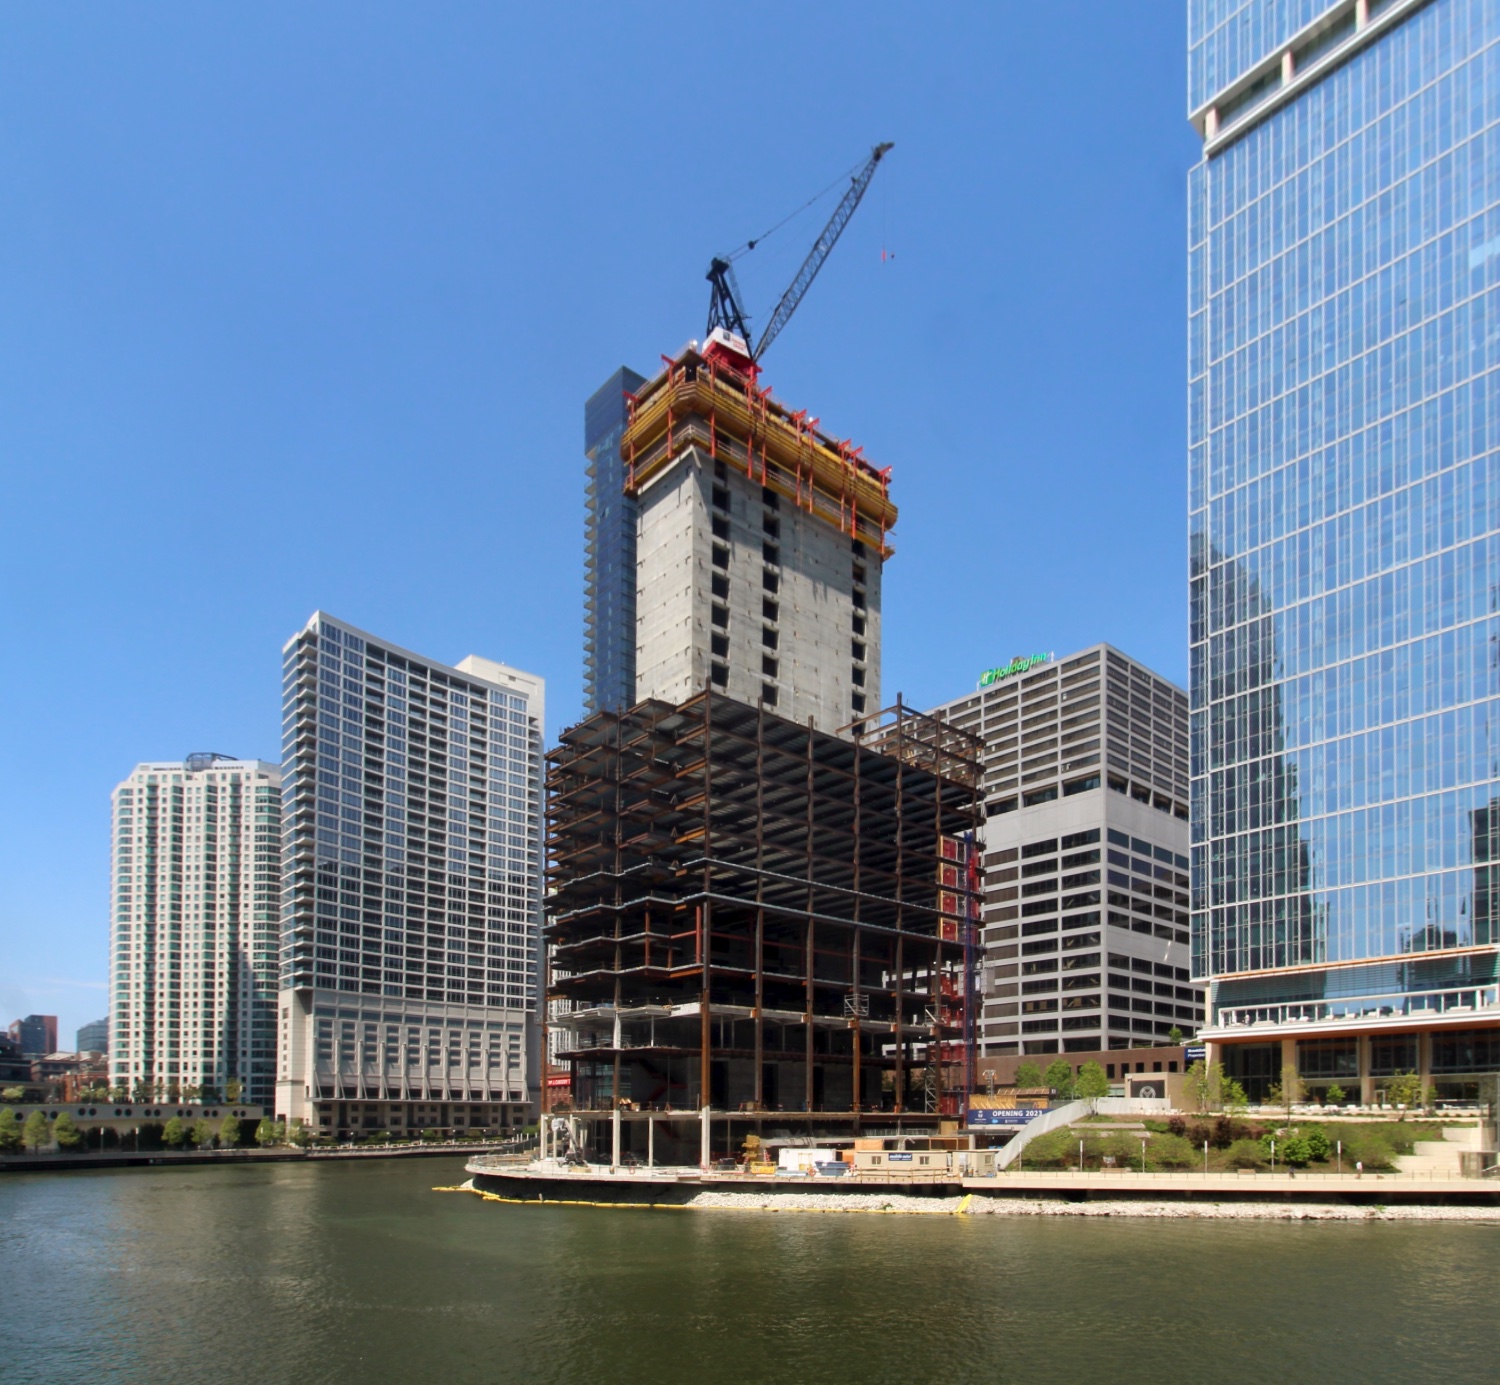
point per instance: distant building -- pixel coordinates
(411, 892)
(94, 1036)
(66, 1075)
(14, 1068)
(1085, 917)
(609, 548)
(195, 874)
(35, 1035)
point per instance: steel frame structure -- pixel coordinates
(753, 923)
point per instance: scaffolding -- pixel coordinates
(703, 401)
(755, 927)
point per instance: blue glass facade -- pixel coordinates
(1344, 478)
(609, 548)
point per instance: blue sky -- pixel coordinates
(301, 304)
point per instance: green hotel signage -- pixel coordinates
(1017, 665)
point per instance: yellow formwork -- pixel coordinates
(699, 402)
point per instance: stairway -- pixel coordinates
(1439, 1158)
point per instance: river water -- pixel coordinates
(354, 1272)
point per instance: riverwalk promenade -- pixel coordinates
(558, 1181)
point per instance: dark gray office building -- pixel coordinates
(610, 550)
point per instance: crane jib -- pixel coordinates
(725, 309)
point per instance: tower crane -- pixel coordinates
(725, 310)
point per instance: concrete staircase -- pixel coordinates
(1439, 1158)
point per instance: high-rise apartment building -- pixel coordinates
(1344, 414)
(35, 1035)
(609, 550)
(93, 1037)
(1085, 903)
(195, 875)
(760, 545)
(411, 885)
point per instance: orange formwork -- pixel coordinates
(703, 401)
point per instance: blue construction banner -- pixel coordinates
(1017, 1115)
(1194, 1053)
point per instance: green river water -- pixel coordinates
(357, 1272)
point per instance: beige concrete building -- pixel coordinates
(1085, 917)
(760, 546)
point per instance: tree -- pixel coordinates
(229, 1133)
(143, 1090)
(1174, 1036)
(1059, 1077)
(265, 1133)
(1092, 1084)
(1404, 1089)
(66, 1132)
(299, 1135)
(37, 1131)
(203, 1134)
(1334, 1096)
(1028, 1074)
(13, 1094)
(1289, 1091)
(234, 1089)
(119, 1094)
(1233, 1095)
(10, 1132)
(174, 1133)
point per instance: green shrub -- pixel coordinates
(1057, 1149)
(1319, 1146)
(1369, 1147)
(1170, 1152)
(1120, 1145)
(1245, 1154)
(10, 1132)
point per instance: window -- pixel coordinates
(767, 666)
(720, 585)
(769, 609)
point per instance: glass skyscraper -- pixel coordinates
(1344, 477)
(609, 548)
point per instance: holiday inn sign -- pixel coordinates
(1017, 665)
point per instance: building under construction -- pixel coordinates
(758, 928)
(759, 546)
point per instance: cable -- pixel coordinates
(816, 197)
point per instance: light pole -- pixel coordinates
(1273, 1156)
(1080, 1156)
(1143, 1156)
(1205, 1158)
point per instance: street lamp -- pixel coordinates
(1143, 1156)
